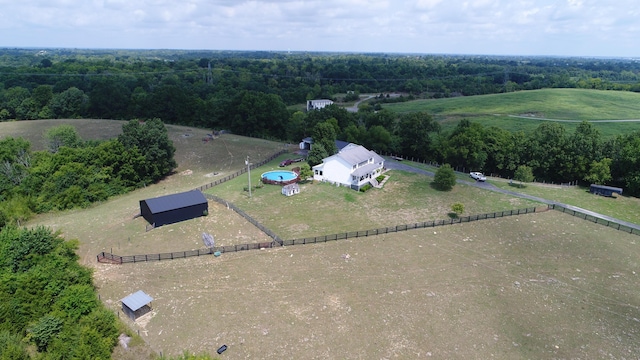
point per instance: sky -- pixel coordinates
(603, 28)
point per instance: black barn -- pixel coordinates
(173, 208)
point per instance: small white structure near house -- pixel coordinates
(291, 189)
(318, 104)
(354, 166)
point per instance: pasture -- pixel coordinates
(569, 106)
(625, 208)
(544, 285)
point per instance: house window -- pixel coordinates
(320, 172)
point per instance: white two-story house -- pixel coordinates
(353, 166)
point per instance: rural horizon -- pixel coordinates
(488, 54)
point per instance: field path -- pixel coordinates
(396, 165)
(571, 121)
(354, 108)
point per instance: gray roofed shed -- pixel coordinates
(136, 304)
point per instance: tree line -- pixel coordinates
(75, 173)
(230, 89)
(550, 152)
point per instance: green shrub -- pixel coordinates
(445, 178)
(365, 187)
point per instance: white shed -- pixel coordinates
(290, 189)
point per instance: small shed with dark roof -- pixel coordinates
(174, 208)
(136, 304)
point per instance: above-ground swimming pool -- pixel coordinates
(279, 177)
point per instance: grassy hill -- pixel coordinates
(570, 106)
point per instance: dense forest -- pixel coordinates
(216, 89)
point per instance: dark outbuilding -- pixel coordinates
(604, 190)
(174, 208)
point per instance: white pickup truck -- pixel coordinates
(478, 176)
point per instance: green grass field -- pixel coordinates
(544, 285)
(405, 199)
(561, 104)
(625, 208)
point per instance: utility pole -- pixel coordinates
(248, 172)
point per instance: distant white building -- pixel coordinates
(354, 166)
(318, 104)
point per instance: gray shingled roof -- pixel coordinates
(175, 201)
(354, 154)
(137, 300)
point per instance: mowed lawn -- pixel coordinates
(323, 209)
(544, 285)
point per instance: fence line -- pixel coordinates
(597, 220)
(240, 172)
(253, 221)
(106, 257)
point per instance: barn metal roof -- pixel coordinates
(137, 300)
(175, 201)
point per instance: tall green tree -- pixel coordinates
(62, 135)
(70, 103)
(585, 147)
(523, 174)
(324, 133)
(152, 141)
(316, 154)
(625, 167)
(414, 131)
(547, 153)
(599, 172)
(466, 146)
(258, 114)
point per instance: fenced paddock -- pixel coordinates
(597, 220)
(105, 257)
(241, 171)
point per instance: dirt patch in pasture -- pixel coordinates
(543, 285)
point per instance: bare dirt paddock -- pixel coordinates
(544, 285)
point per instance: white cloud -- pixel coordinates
(459, 26)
